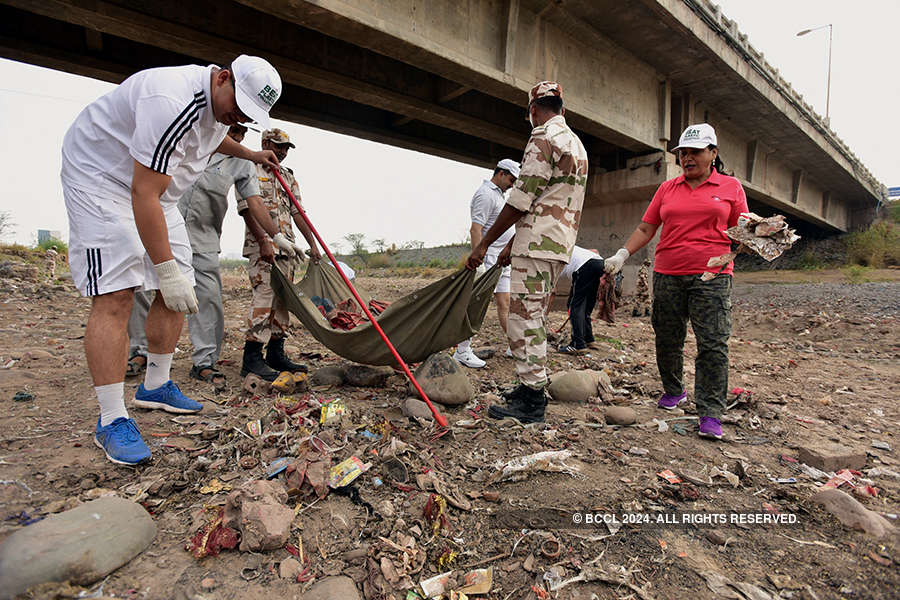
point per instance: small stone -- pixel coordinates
(258, 511)
(715, 537)
(638, 451)
(573, 386)
(208, 583)
(831, 457)
(36, 355)
(881, 445)
(413, 407)
(289, 569)
(88, 483)
(491, 496)
(620, 415)
(386, 509)
(255, 385)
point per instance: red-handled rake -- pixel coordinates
(437, 416)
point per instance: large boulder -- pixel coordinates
(573, 386)
(257, 509)
(81, 545)
(851, 513)
(443, 380)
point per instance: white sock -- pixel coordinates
(112, 402)
(463, 347)
(158, 366)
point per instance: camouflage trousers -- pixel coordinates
(269, 316)
(531, 282)
(707, 304)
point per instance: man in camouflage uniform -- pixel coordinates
(642, 292)
(269, 318)
(545, 206)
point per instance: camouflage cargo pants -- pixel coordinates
(531, 282)
(268, 315)
(677, 298)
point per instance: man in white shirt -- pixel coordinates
(584, 270)
(486, 205)
(126, 160)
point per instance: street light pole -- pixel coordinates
(828, 81)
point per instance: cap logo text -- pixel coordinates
(268, 95)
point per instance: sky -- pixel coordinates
(350, 185)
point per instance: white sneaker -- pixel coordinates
(509, 353)
(468, 359)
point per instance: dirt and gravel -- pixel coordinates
(820, 358)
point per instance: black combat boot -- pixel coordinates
(253, 362)
(278, 360)
(525, 404)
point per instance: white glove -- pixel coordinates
(177, 291)
(614, 263)
(285, 244)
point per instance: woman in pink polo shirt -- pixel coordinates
(694, 210)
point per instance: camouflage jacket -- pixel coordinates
(280, 207)
(550, 190)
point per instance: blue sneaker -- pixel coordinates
(167, 397)
(121, 441)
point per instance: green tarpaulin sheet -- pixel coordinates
(426, 321)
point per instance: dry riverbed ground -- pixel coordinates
(820, 358)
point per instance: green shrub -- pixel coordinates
(876, 246)
(436, 263)
(61, 246)
(808, 261)
(856, 273)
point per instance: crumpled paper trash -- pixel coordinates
(768, 237)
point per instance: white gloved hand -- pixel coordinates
(285, 244)
(614, 263)
(176, 289)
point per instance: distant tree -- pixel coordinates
(7, 226)
(357, 243)
(413, 245)
(380, 244)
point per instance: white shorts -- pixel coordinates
(503, 282)
(105, 251)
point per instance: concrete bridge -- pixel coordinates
(449, 77)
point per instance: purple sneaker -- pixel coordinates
(710, 428)
(668, 401)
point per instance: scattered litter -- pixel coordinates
(733, 479)
(881, 445)
(638, 451)
(519, 468)
(213, 537)
(214, 487)
(23, 396)
(332, 412)
(436, 586)
(254, 427)
(345, 472)
(669, 476)
(661, 426)
(277, 466)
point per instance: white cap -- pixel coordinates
(697, 136)
(507, 164)
(257, 86)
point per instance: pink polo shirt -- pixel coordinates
(694, 222)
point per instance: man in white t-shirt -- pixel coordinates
(584, 270)
(126, 160)
(486, 204)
